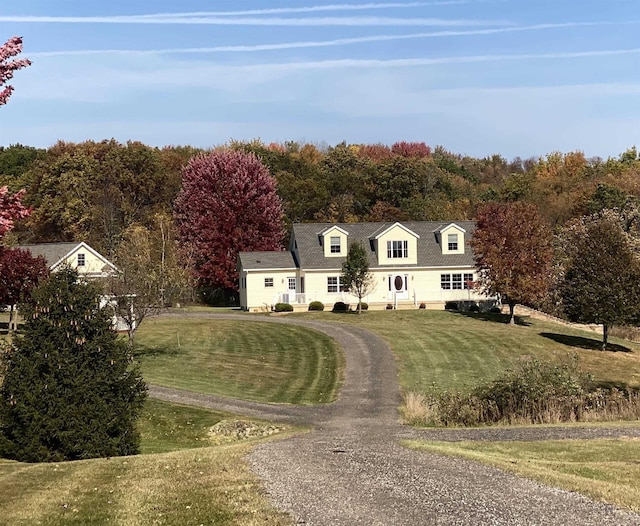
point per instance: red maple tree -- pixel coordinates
(513, 250)
(19, 273)
(228, 204)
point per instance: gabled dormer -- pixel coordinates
(334, 242)
(451, 238)
(395, 245)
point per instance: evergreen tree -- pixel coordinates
(70, 390)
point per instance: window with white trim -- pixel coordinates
(334, 285)
(335, 245)
(268, 282)
(397, 249)
(452, 242)
(81, 260)
(456, 281)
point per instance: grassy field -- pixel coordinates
(245, 359)
(449, 350)
(184, 481)
(607, 470)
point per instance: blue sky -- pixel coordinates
(515, 77)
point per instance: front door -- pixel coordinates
(398, 286)
(291, 289)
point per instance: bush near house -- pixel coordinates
(340, 306)
(316, 305)
(283, 307)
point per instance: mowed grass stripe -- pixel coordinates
(244, 359)
(447, 350)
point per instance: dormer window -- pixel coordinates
(81, 260)
(336, 247)
(452, 241)
(397, 249)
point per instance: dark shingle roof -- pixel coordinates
(266, 260)
(311, 253)
(52, 252)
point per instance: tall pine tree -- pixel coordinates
(70, 389)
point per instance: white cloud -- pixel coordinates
(322, 43)
(311, 9)
(362, 21)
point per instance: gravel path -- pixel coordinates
(351, 470)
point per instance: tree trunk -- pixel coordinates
(605, 336)
(359, 305)
(512, 310)
(11, 327)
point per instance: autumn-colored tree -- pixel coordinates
(19, 273)
(11, 209)
(8, 50)
(601, 279)
(513, 251)
(411, 149)
(228, 204)
(150, 277)
(355, 273)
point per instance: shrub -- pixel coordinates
(423, 306)
(340, 306)
(316, 305)
(535, 392)
(495, 310)
(389, 306)
(283, 307)
(474, 308)
(451, 305)
(363, 306)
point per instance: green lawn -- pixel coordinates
(248, 359)
(186, 481)
(449, 350)
(607, 470)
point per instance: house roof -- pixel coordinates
(55, 253)
(266, 260)
(311, 253)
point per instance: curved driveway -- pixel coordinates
(351, 470)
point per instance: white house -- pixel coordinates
(413, 263)
(89, 263)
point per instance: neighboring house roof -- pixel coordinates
(266, 260)
(56, 253)
(311, 253)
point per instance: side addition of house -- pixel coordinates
(412, 263)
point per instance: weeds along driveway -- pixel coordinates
(351, 469)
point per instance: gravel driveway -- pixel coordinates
(351, 470)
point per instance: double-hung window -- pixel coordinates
(268, 282)
(456, 281)
(397, 249)
(81, 260)
(335, 245)
(445, 281)
(453, 242)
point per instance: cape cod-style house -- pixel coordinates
(89, 263)
(413, 263)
